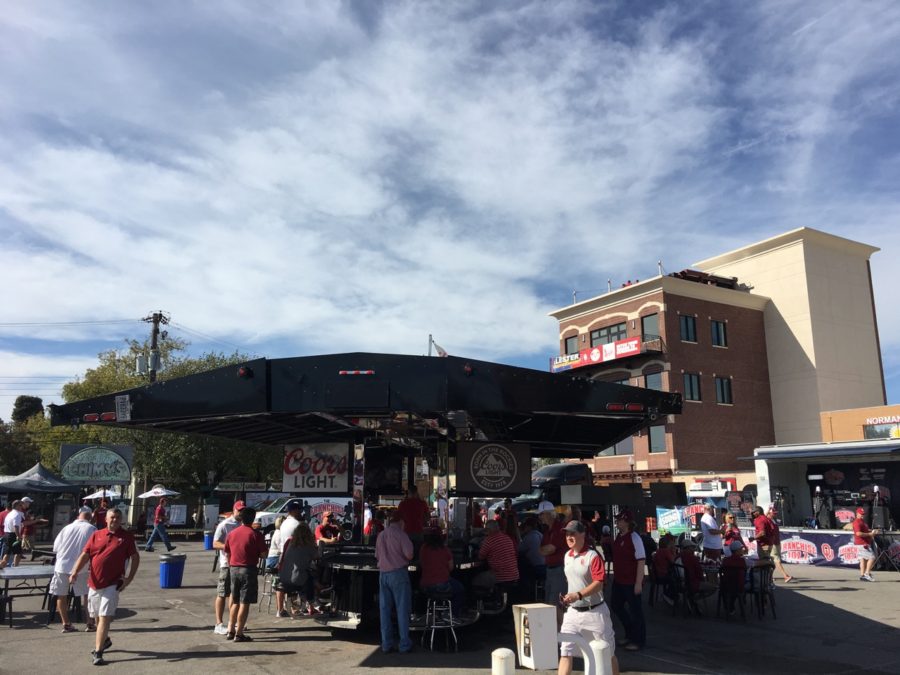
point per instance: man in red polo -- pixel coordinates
(863, 537)
(499, 550)
(628, 581)
(553, 548)
(763, 535)
(414, 512)
(108, 551)
(245, 547)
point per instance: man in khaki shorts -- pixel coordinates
(68, 546)
(108, 551)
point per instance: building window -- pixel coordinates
(623, 447)
(691, 387)
(723, 390)
(657, 439)
(719, 338)
(604, 336)
(871, 431)
(650, 327)
(653, 381)
(572, 345)
(688, 328)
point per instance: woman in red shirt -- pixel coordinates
(436, 562)
(731, 533)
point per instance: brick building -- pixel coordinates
(751, 338)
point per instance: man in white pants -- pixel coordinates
(586, 610)
(108, 551)
(68, 546)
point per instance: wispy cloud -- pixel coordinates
(354, 176)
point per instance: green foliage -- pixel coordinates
(25, 407)
(181, 461)
(17, 451)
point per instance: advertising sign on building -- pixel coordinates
(318, 468)
(599, 354)
(492, 469)
(96, 464)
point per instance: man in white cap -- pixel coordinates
(68, 546)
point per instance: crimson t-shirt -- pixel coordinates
(435, 565)
(159, 516)
(663, 558)
(763, 527)
(557, 538)
(859, 525)
(109, 551)
(327, 531)
(628, 553)
(244, 546)
(414, 512)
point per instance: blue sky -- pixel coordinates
(325, 177)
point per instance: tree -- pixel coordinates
(25, 407)
(18, 452)
(181, 460)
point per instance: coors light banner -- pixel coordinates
(317, 469)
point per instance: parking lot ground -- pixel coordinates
(828, 622)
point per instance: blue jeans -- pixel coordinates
(395, 591)
(627, 607)
(159, 530)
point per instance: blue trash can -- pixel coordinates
(171, 570)
(207, 540)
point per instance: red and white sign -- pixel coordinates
(600, 354)
(317, 468)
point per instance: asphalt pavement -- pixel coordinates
(827, 622)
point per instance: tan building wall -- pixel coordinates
(848, 425)
(821, 332)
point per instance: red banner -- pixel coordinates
(599, 354)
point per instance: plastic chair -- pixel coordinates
(762, 590)
(731, 591)
(439, 616)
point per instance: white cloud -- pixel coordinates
(333, 177)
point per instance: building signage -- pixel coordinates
(317, 468)
(890, 419)
(599, 354)
(99, 465)
(492, 469)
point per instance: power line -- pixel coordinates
(184, 328)
(65, 323)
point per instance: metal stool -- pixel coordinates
(268, 590)
(439, 616)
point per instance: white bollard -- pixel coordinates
(503, 662)
(602, 656)
(590, 662)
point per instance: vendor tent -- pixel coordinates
(38, 479)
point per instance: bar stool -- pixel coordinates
(439, 616)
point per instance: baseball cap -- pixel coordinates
(294, 505)
(860, 511)
(545, 506)
(736, 546)
(239, 506)
(85, 509)
(626, 516)
(575, 526)
(27, 500)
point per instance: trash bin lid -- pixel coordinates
(172, 557)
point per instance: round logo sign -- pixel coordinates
(493, 467)
(827, 552)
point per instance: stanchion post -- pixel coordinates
(603, 655)
(503, 662)
(590, 662)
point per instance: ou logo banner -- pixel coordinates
(827, 552)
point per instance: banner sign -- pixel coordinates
(678, 519)
(98, 465)
(318, 468)
(594, 355)
(492, 469)
(815, 547)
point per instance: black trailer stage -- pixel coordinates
(416, 400)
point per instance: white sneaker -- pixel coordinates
(220, 629)
(867, 577)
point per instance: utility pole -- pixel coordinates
(156, 319)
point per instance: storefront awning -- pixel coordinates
(880, 450)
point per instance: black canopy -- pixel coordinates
(412, 400)
(38, 479)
